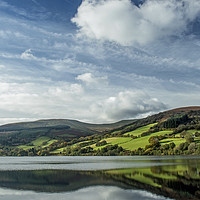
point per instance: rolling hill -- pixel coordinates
(171, 132)
(16, 134)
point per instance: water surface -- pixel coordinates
(100, 178)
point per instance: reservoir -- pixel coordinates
(100, 178)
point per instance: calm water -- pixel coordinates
(100, 178)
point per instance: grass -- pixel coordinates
(140, 130)
(113, 141)
(193, 131)
(72, 146)
(38, 142)
(142, 141)
(59, 150)
(49, 143)
(177, 141)
(118, 140)
(128, 143)
(25, 147)
(79, 143)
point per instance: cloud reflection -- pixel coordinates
(90, 193)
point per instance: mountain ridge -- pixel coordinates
(47, 121)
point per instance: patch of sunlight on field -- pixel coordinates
(142, 141)
(41, 141)
(140, 130)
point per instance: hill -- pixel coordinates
(172, 132)
(50, 123)
(16, 134)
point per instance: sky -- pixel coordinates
(97, 61)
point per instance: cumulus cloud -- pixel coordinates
(127, 24)
(127, 104)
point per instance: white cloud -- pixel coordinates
(62, 75)
(27, 55)
(71, 100)
(123, 22)
(89, 78)
(38, 100)
(15, 120)
(125, 105)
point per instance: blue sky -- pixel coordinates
(97, 61)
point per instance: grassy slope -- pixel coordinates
(132, 144)
(114, 140)
(140, 130)
(26, 133)
(177, 141)
(129, 143)
(38, 142)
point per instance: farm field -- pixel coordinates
(140, 130)
(39, 142)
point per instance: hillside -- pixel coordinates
(16, 134)
(50, 123)
(171, 132)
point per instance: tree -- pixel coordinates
(153, 139)
(183, 146)
(192, 147)
(172, 145)
(101, 143)
(183, 134)
(189, 138)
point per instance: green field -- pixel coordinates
(142, 141)
(129, 143)
(39, 142)
(113, 141)
(192, 131)
(140, 130)
(176, 141)
(118, 140)
(58, 150)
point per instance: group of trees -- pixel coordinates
(175, 121)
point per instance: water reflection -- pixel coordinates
(176, 178)
(54, 180)
(92, 163)
(90, 193)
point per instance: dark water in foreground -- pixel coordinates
(100, 178)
